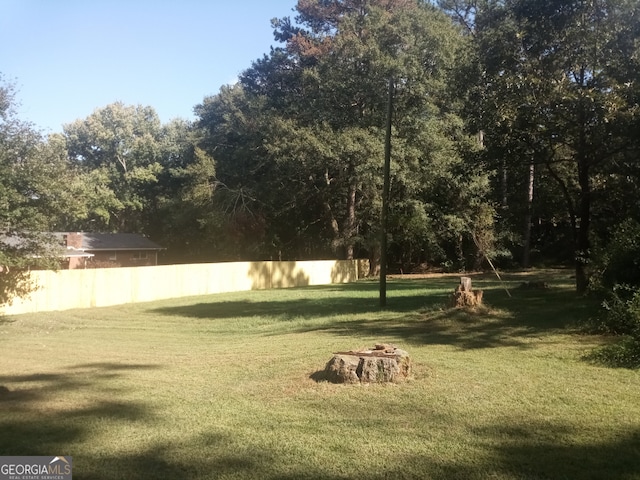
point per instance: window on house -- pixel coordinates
(139, 255)
(112, 256)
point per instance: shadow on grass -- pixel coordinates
(506, 321)
(333, 300)
(43, 420)
(534, 451)
(156, 462)
(459, 328)
(417, 312)
(319, 301)
(29, 425)
(546, 451)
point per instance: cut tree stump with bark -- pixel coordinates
(383, 363)
(465, 296)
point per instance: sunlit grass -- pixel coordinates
(220, 387)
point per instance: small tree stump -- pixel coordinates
(383, 363)
(465, 296)
(465, 284)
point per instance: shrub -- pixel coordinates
(619, 262)
(622, 312)
(620, 316)
(617, 279)
(622, 354)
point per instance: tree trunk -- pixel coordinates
(350, 222)
(504, 203)
(333, 223)
(582, 241)
(584, 213)
(374, 261)
(580, 222)
(460, 252)
(526, 254)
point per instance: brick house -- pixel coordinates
(101, 250)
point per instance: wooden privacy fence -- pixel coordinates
(101, 287)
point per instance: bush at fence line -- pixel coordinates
(616, 278)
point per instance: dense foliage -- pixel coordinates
(514, 138)
(616, 279)
(36, 190)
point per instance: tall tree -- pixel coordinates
(246, 182)
(120, 146)
(554, 90)
(317, 140)
(35, 192)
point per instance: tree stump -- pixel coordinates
(465, 296)
(383, 363)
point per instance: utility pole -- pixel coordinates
(385, 199)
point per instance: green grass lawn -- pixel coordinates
(221, 387)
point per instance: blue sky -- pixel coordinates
(69, 57)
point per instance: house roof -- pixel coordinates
(71, 252)
(117, 241)
(91, 242)
(15, 241)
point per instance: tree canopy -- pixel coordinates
(514, 133)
